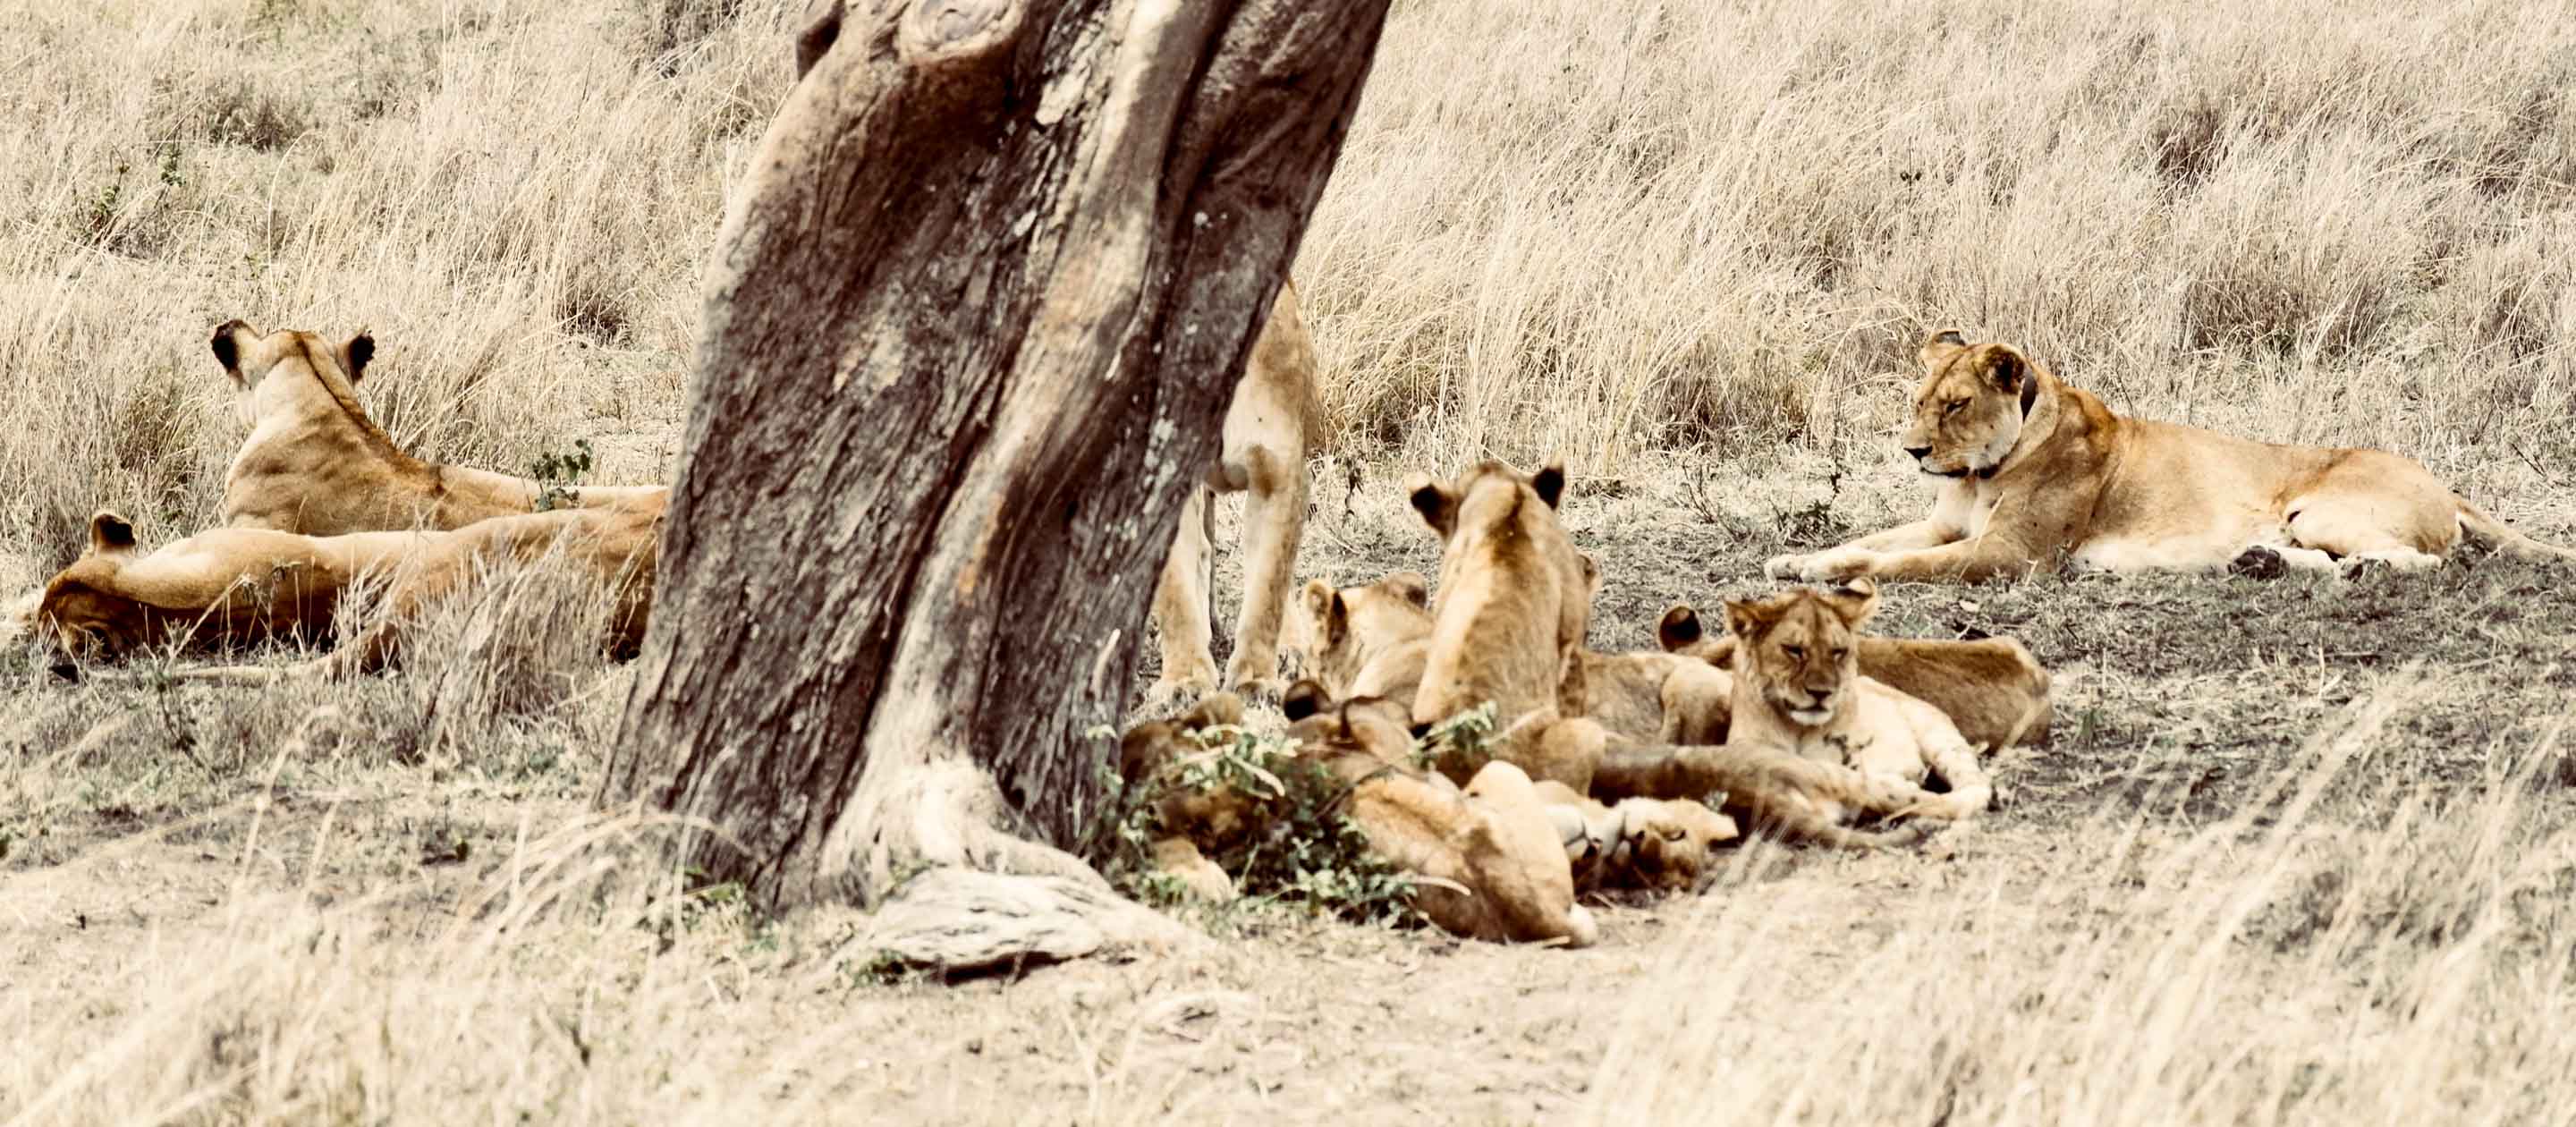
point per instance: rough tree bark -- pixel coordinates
(970, 331)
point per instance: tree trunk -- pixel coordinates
(971, 328)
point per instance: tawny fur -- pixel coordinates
(232, 586)
(2040, 474)
(315, 463)
(1799, 690)
(1992, 689)
(1272, 426)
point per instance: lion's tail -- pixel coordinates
(2501, 537)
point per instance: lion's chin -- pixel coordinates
(1811, 717)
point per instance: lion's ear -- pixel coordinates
(1854, 600)
(1746, 619)
(110, 534)
(1315, 594)
(1439, 508)
(1337, 620)
(2005, 366)
(1411, 587)
(1591, 573)
(1939, 347)
(1680, 627)
(1304, 699)
(228, 349)
(1549, 481)
(355, 354)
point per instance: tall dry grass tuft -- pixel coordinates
(2362, 947)
(512, 194)
(1563, 227)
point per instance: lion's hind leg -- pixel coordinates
(1274, 522)
(2399, 516)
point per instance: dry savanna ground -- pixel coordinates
(2300, 852)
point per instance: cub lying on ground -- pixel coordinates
(1992, 689)
(2041, 471)
(1494, 864)
(1798, 689)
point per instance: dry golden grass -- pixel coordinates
(2270, 874)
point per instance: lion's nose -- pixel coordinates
(65, 669)
(1918, 451)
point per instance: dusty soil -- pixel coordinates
(145, 822)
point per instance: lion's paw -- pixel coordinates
(1173, 693)
(1783, 567)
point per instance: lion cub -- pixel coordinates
(1495, 860)
(1798, 688)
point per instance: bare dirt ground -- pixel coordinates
(363, 919)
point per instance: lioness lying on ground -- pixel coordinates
(1992, 689)
(1798, 689)
(2042, 472)
(1493, 862)
(316, 463)
(236, 586)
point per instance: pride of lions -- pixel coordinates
(1601, 770)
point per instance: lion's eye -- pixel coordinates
(1841, 653)
(1794, 653)
(1952, 407)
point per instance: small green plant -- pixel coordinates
(1458, 745)
(559, 475)
(1305, 852)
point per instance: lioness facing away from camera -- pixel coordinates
(316, 463)
(2039, 470)
(1374, 639)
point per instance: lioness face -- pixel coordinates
(1797, 648)
(248, 356)
(1968, 410)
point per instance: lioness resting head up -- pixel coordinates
(2040, 471)
(1992, 689)
(1508, 624)
(316, 464)
(1798, 689)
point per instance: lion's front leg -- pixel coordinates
(1947, 524)
(1967, 561)
(1274, 521)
